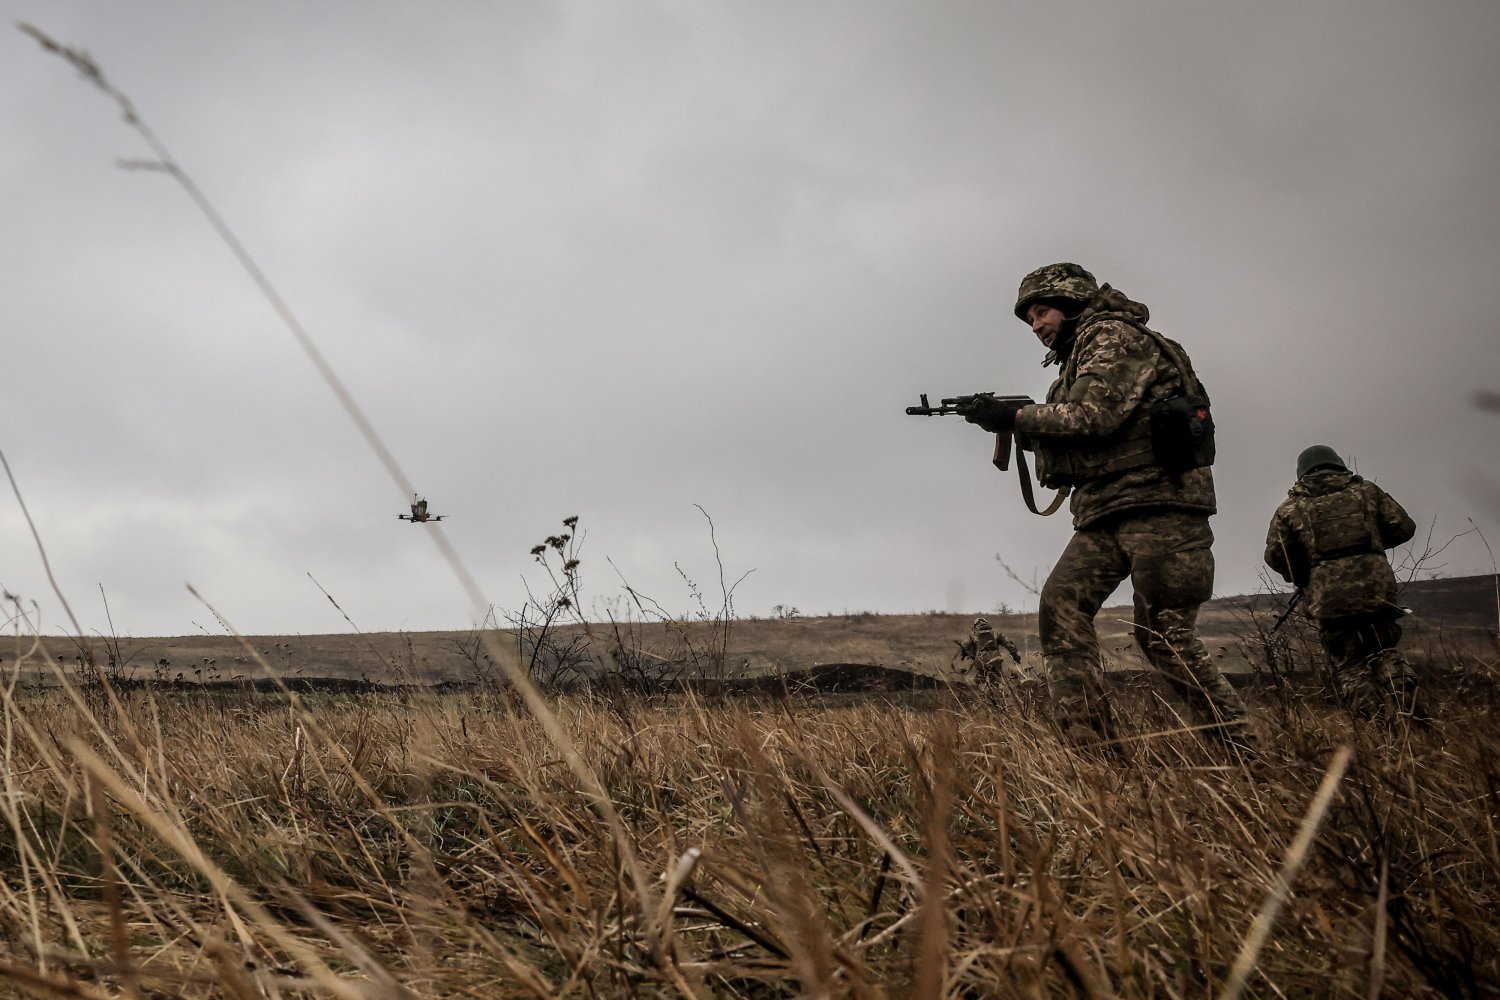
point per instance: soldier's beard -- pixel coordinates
(1062, 343)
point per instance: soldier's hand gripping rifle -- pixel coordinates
(976, 408)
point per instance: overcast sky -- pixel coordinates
(619, 259)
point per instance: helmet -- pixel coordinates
(1055, 281)
(1316, 457)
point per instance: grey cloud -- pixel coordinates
(618, 260)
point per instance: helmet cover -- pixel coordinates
(1055, 281)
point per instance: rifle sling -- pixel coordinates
(1029, 496)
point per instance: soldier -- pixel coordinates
(1142, 496)
(982, 648)
(1329, 538)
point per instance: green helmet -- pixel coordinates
(1055, 281)
(1316, 457)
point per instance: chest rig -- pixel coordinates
(1171, 429)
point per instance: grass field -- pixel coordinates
(165, 841)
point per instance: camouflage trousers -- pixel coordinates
(1167, 557)
(1373, 679)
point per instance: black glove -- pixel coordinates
(995, 415)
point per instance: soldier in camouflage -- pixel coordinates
(983, 649)
(1329, 538)
(1133, 518)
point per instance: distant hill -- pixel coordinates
(1461, 601)
(1458, 613)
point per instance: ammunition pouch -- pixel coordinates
(1182, 433)
(1053, 470)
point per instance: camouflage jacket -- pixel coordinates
(1097, 416)
(1330, 537)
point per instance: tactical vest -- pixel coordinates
(1339, 525)
(1075, 461)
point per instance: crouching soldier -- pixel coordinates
(983, 649)
(1329, 538)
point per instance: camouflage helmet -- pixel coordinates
(1055, 281)
(1316, 457)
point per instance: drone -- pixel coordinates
(419, 513)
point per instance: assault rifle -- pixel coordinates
(1286, 612)
(963, 406)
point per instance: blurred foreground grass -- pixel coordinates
(197, 844)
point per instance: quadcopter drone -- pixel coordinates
(419, 513)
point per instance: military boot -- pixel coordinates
(1391, 677)
(1079, 706)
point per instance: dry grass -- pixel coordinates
(197, 844)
